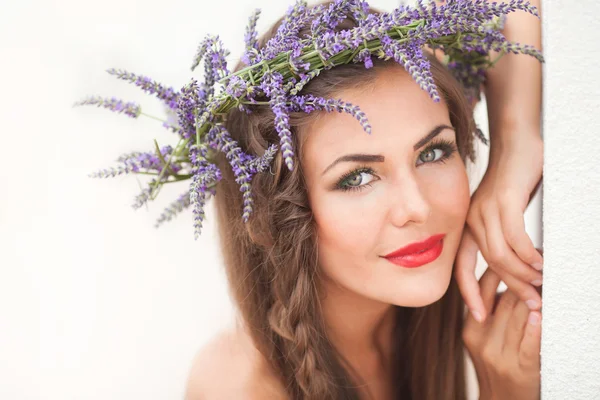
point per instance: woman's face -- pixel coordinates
(392, 195)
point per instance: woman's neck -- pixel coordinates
(360, 329)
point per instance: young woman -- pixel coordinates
(329, 306)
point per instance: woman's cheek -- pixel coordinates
(347, 218)
(449, 189)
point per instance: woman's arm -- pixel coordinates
(513, 88)
(495, 223)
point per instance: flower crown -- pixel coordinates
(465, 30)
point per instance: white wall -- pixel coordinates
(94, 302)
(570, 343)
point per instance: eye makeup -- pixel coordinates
(448, 148)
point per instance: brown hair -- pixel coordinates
(272, 266)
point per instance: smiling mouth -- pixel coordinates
(419, 258)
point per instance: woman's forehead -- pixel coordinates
(399, 111)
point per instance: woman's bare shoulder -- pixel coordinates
(230, 367)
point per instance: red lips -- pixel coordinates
(417, 246)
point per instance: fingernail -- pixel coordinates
(534, 319)
(537, 266)
(537, 282)
(476, 315)
(532, 304)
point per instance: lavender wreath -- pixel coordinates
(465, 30)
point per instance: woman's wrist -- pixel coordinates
(511, 138)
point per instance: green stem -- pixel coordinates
(155, 189)
(153, 117)
(177, 177)
(502, 52)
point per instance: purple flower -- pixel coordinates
(310, 103)
(411, 57)
(294, 87)
(138, 161)
(330, 18)
(364, 56)
(236, 87)
(144, 196)
(251, 52)
(223, 142)
(215, 61)
(130, 109)
(172, 128)
(176, 207)
(273, 87)
(202, 49)
(286, 37)
(166, 94)
(191, 100)
(205, 176)
(125, 156)
(262, 163)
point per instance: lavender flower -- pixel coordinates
(125, 156)
(215, 61)
(414, 62)
(236, 87)
(262, 163)
(205, 175)
(172, 128)
(310, 103)
(192, 99)
(218, 62)
(136, 162)
(364, 56)
(286, 37)
(176, 207)
(202, 49)
(144, 195)
(166, 94)
(250, 39)
(273, 85)
(238, 160)
(130, 109)
(329, 19)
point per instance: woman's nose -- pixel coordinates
(408, 203)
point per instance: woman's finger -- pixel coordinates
(529, 352)
(503, 257)
(464, 271)
(502, 315)
(513, 226)
(477, 227)
(488, 285)
(523, 290)
(515, 329)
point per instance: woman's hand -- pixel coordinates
(505, 349)
(496, 227)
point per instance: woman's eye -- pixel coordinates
(360, 178)
(356, 180)
(430, 155)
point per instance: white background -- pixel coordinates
(94, 302)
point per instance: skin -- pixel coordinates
(407, 197)
(495, 224)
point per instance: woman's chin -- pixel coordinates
(421, 294)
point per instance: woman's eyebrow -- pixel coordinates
(434, 132)
(379, 158)
(356, 157)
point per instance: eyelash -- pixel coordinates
(448, 147)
